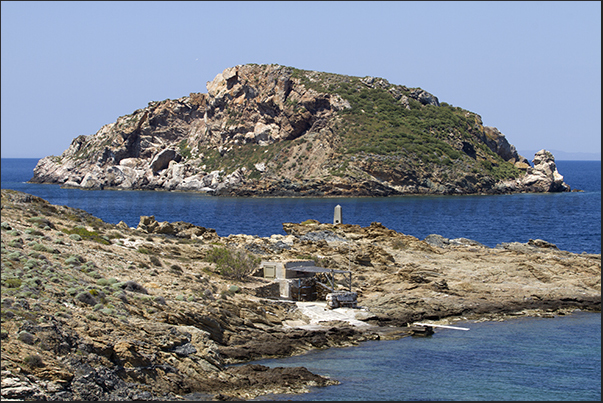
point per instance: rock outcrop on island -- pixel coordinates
(270, 130)
(96, 311)
(544, 176)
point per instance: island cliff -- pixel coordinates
(271, 130)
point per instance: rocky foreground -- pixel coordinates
(96, 311)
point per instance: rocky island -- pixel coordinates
(97, 311)
(272, 130)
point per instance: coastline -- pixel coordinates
(165, 322)
(518, 359)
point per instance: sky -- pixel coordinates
(530, 69)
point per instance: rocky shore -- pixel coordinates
(96, 311)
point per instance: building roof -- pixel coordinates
(316, 269)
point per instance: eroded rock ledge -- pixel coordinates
(95, 311)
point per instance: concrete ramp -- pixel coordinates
(317, 312)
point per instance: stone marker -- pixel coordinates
(337, 215)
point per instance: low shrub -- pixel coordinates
(41, 222)
(107, 311)
(74, 260)
(79, 232)
(310, 222)
(121, 295)
(41, 248)
(26, 337)
(15, 243)
(86, 298)
(33, 360)
(106, 281)
(32, 231)
(14, 256)
(235, 264)
(31, 263)
(12, 283)
(133, 286)
(102, 282)
(155, 261)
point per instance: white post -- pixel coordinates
(337, 215)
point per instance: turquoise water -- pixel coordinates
(572, 221)
(519, 359)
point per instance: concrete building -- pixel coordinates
(302, 280)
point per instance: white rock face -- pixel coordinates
(544, 177)
(130, 162)
(262, 132)
(193, 183)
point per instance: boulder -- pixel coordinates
(425, 97)
(162, 159)
(498, 143)
(164, 227)
(175, 174)
(437, 240)
(543, 177)
(147, 224)
(195, 183)
(539, 243)
(90, 181)
(130, 162)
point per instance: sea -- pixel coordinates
(519, 359)
(571, 220)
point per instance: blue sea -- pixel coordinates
(572, 221)
(519, 359)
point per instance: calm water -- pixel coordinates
(570, 220)
(523, 359)
(520, 359)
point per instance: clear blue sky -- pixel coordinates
(531, 69)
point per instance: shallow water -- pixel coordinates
(519, 359)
